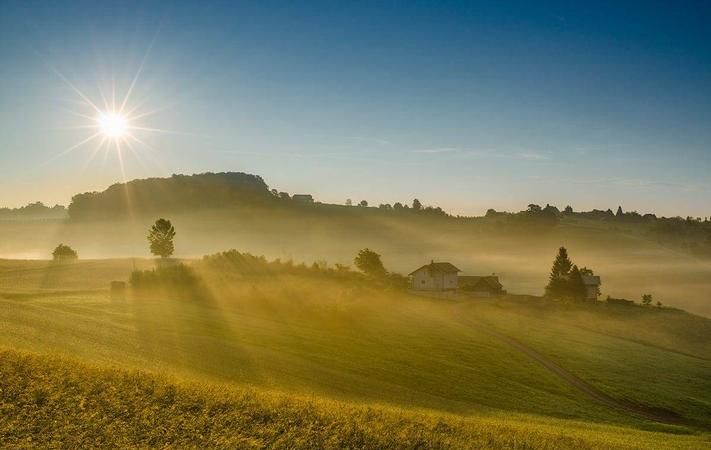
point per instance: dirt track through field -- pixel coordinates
(643, 411)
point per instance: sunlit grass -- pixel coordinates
(49, 402)
(345, 339)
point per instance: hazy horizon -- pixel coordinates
(464, 212)
(469, 106)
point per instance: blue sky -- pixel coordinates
(467, 105)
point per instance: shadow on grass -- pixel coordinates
(179, 319)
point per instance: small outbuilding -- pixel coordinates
(435, 276)
(592, 286)
(481, 286)
(303, 198)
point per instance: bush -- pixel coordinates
(64, 253)
(619, 301)
(179, 277)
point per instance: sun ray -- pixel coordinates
(74, 88)
(75, 146)
(135, 153)
(119, 153)
(74, 113)
(104, 99)
(113, 93)
(160, 130)
(95, 152)
(145, 114)
(138, 74)
(140, 141)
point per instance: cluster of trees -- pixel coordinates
(534, 216)
(598, 214)
(178, 277)
(242, 263)
(368, 262)
(417, 207)
(37, 210)
(566, 279)
(647, 300)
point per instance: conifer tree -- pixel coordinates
(558, 280)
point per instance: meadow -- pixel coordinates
(366, 358)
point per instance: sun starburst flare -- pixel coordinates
(113, 124)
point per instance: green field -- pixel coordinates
(417, 362)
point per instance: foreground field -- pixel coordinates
(54, 403)
(326, 337)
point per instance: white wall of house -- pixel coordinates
(423, 280)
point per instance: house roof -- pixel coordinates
(591, 280)
(439, 267)
(491, 281)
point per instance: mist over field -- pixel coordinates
(630, 259)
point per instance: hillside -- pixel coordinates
(51, 402)
(319, 334)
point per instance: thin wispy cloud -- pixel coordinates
(626, 183)
(370, 140)
(437, 150)
(530, 156)
(527, 155)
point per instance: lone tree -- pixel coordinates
(647, 299)
(64, 253)
(416, 205)
(369, 263)
(161, 238)
(558, 285)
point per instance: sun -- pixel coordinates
(112, 124)
(115, 124)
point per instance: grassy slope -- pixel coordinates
(322, 337)
(55, 403)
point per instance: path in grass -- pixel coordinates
(651, 413)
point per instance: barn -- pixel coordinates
(481, 286)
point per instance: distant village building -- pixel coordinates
(440, 276)
(592, 286)
(481, 286)
(303, 198)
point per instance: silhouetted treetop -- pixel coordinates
(160, 237)
(36, 210)
(64, 253)
(177, 193)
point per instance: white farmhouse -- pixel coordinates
(440, 276)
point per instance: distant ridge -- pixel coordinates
(174, 194)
